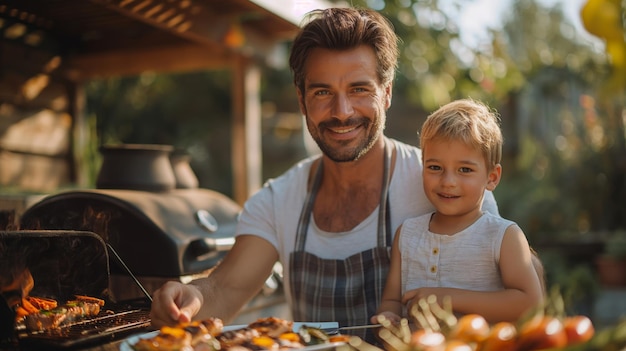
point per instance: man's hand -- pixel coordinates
(175, 303)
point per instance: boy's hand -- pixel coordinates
(390, 316)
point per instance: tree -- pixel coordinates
(571, 154)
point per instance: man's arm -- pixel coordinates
(238, 278)
(230, 285)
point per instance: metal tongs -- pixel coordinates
(119, 259)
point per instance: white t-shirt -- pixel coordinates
(273, 212)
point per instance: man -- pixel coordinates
(330, 220)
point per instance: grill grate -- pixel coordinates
(107, 326)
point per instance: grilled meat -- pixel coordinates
(194, 336)
(264, 334)
(39, 314)
(272, 326)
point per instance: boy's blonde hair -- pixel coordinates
(469, 121)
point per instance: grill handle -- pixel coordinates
(200, 247)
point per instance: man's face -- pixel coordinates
(343, 101)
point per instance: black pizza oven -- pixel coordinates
(162, 230)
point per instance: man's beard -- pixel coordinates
(345, 153)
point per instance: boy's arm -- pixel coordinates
(522, 287)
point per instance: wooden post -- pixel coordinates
(79, 137)
(246, 129)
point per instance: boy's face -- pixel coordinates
(456, 176)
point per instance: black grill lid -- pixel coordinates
(164, 234)
(62, 263)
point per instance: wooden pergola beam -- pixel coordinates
(134, 62)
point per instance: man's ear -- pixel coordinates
(388, 95)
(494, 176)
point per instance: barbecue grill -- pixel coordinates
(161, 236)
(161, 232)
(142, 229)
(62, 264)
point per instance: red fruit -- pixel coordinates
(470, 328)
(427, 340)
(579, 329)
(503, 336)
(457, 345)
(542, 332)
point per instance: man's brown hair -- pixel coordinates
(344, 29)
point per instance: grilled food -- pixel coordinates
(269, 333)
(272, 326)
(39, 314)
(193, 336)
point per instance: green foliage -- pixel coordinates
(576, 282)
(567, 169)
(615, 244)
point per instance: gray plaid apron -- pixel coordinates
(346, 291)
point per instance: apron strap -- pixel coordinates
(384, 221)
(305, 215)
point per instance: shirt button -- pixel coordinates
(433, 269)
(435, 250)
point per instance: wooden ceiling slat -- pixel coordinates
(154, 10)
(188, 35)
(143, 4)
(85, 29)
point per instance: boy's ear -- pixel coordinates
(493, 178)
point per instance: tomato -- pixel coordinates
(457, 345)
(579, 329)
(470, 328)
(427, 340)
(503, 336)
(542, 332)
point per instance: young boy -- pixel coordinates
(481, 261)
